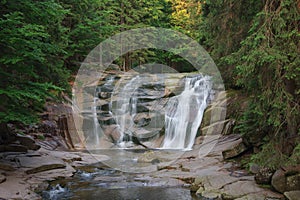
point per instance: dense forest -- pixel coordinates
(255, 44)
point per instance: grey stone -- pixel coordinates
(239, 189)
(279, 181)
(235, 150)
(214, 129)
(292, 195)
(40, 164)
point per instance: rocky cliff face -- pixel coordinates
(129, 106)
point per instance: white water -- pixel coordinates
(95, 120)
(126, 108)
(184, 113)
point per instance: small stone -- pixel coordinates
(292, 195)
(2, 178)
(254, 169)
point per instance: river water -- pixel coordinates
(109, 184)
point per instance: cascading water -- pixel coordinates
(126, 108)
(184, 113)
(95, 120)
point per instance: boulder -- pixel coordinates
(292, 195)
(28, 142)
(284, 181)
(263, 176)
(279, 181)
(235, 150)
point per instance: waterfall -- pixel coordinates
(184, 113)
(126, 108)
(95, 120)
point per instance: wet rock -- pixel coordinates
(112, 132)
(263, 176)
(141, 108)
(234, 150)
(292, 195)
(2, 178)
(40, 164)
(107, 120)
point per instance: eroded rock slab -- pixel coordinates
(235, 150)
(40, 164)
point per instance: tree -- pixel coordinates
(31, 57)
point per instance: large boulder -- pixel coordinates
(286, 179)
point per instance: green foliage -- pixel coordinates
(267, 65)
(224, 26)
(256, 46)
(30, 57)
